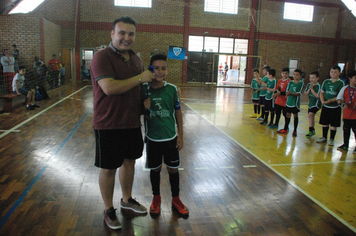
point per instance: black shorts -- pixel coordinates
(255, 100)
(330, 116)
(280, 109)
(293, 110)
(313, 110)
(269, 105)
(262, 100)
(113, 146)
(156, 150)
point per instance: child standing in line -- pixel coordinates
(314, 104)
(263, 92)
(347, 98)
(255, 86)
(269, 105)
(331, 110)
(280, 95)
(163, 139)
(294, 91)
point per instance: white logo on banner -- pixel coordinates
(177, 51)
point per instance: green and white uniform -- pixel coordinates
(263, 92)
(294, 101)
(164, 102)
(255, 85)
(270, 84)
(313, 101)
(331, 90)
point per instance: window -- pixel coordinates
(26, 6)
(217, 45)
(294, 11)
(241, 46)
(226, 45)
(211, 44)
(134, 3)
(221, 6)
(196, 43)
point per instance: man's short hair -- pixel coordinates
(256, 70)
(272, 72)
(352, 74)
(316, 73)
(124, 19)
(22, 67)
(336, 67)
(266, 67)
(298, 71)
(158, 57)
(285, 69)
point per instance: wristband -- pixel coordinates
(139, 78)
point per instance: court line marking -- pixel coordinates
(23, 195)
(249, 166)
(313, 163)
(282, 176)
(11, 131)
(38, 114)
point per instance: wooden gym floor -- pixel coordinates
(237, 176)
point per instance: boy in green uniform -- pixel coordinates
(269, 104)
(255, 86)
(263, 92)
(314, 104)
(163, 139)
(293, 93)
(331, 110)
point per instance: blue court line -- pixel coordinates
(23, 195)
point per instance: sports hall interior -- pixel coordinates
(237, 177)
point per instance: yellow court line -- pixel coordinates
(38, 114)
(282, 176)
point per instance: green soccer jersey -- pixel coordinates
(313, 101)
(255, 85)
(164, 102)
(331, 91)
(263, 92)
(294, 101)
(271, 84)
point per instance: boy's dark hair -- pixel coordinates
(158, 57)
(298, 71)
(124, 19)
(256, 70)
(316, 73)
(272, 72)
(352, 74)
(22, 67)
(336, 67)
(267, 68)
(285, 69)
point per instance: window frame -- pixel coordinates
(299, 12)
(132, 3)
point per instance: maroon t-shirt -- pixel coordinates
(120, 111)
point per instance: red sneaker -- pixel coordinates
(282, 131)
(179, 206)
(156, 205)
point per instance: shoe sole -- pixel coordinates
(132, 209)
(182, 214)
(118, 227)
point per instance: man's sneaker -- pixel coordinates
(253, 116)
(156, 205)
(282, 131)
(331, 142)
(263, 123)
(294, 134)
(111, 219)
(260, 118)
(321, 140)
(133, 205)
(343, 147)
(35, 106)
(30, 108)
(310, 133)
(179, 206)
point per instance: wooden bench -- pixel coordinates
(7, 101)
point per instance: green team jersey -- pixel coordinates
(270, 84)
(164, 102)
(331, 90)
(263, 92)
(313, 101)
(255, 85)
(294, 101)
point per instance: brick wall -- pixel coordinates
(52, 40)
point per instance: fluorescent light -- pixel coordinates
(26, 6)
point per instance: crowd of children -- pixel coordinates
(272, 98)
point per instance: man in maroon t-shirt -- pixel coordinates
(117, 74)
